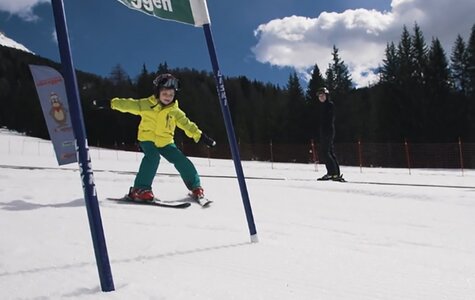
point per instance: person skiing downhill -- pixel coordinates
(327, 134)
(160, 114)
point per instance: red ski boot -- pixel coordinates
(198, 193)
(137, 194)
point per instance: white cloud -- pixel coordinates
(54, 37)
(21, 8)
(360, 35)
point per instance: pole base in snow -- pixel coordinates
(254, 238)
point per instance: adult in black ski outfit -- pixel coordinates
(327, 134)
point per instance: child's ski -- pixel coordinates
(155, 202)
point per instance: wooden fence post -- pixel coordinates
(209, 156)
(407, 156)
(98, 149)
(360, 156)
(116, 145)
(271, 156)
(461, 155)
(314, 155)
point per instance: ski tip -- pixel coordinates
(203, 202)
(206, 204)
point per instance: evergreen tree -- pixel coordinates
(315, 82)
(295, 110)
(163, 68)
(330, 81)
(121, 81)
(419, 52)
(459, 65)
(443, 114)
(337, 76)
(118, 75)
(294, 88)
(471, 61)
(144, 85)
(388, 113)
(404, 54)
(275, 104)
(410, 89)
(438, 71)
(471, 84)
(390, 66)
(417, 86)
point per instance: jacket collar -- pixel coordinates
(157, 105)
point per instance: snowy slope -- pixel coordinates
(8, 42)
(411, 239)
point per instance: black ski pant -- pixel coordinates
(329, 157)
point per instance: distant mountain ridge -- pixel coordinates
(8, 42)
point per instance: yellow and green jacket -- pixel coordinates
(158, 121)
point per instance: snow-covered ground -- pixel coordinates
(386, 234)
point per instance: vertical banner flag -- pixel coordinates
(194, 12)
(54, 103)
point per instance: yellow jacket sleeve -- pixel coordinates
(127, 105)
(190, 128)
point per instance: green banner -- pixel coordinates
(192, 12)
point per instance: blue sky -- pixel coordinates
(261, 39)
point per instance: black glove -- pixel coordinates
(207, 140)
(100, 104)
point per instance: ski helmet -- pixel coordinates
(167, 81)
(323, 90)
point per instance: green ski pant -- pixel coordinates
(151, 160)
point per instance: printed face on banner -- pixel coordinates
(52, 93)
(57, 111)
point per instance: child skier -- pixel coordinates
(160, 115)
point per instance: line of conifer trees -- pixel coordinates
(422, 96)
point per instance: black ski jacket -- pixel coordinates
(327, 120)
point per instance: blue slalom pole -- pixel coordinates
(223, 101)
(84, 160)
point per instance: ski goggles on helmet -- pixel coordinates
(323, 90)
(167, 81)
